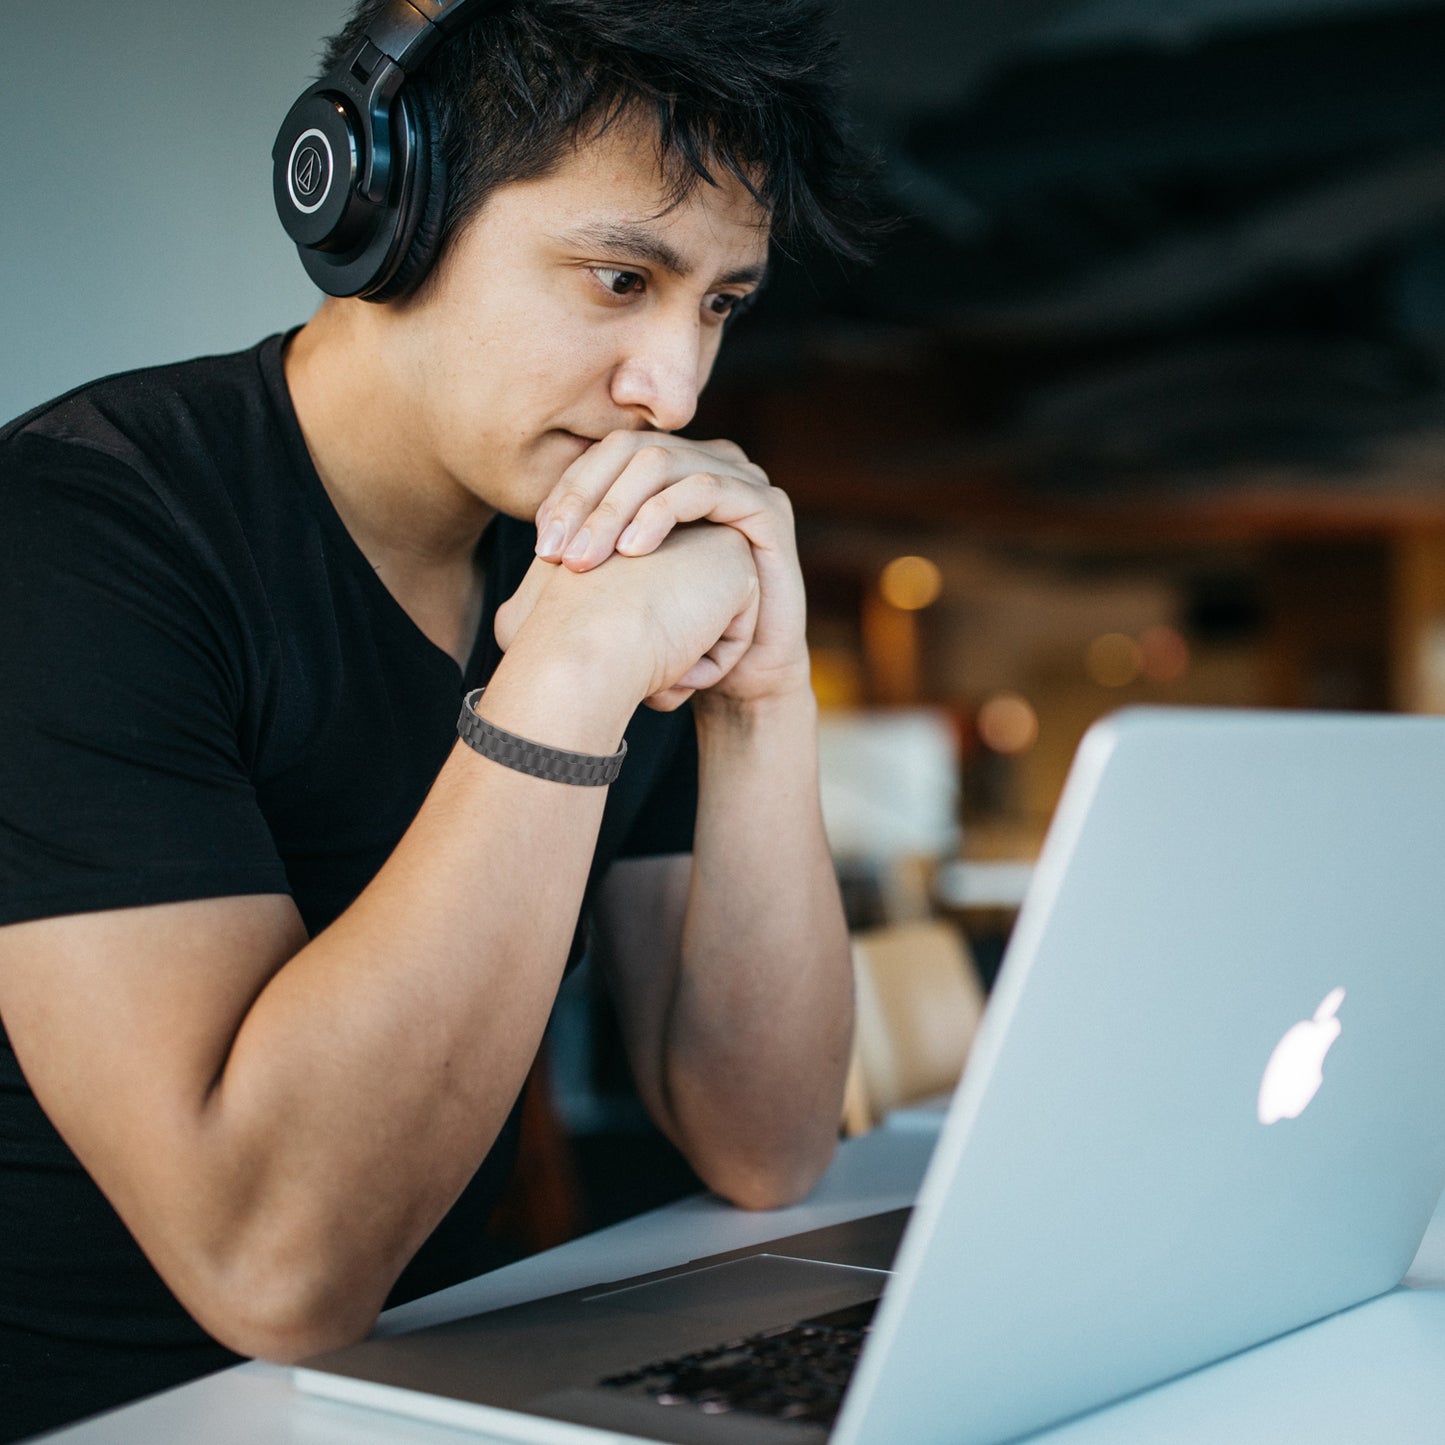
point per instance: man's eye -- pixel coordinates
(620, 283)
(728, 304)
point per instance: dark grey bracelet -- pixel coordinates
(557, 765)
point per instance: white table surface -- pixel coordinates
(1375, 1373)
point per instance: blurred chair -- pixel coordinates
(919, 1001)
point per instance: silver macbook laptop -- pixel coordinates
(1202, 1109)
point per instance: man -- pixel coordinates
(277, 947)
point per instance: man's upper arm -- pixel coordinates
(122, 1022)
(143, 898)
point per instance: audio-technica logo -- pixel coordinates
(309, 165)
(308, 176)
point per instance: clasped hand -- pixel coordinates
(641, 495)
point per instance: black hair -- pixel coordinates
(750, 87)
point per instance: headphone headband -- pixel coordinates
(409, 30)
(354, 164)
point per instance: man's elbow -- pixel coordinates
(285, 1341)
(776, 1183)
(283, 1316)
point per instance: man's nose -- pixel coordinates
(661, 376)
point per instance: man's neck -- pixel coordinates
(368, 443)
(411, 520)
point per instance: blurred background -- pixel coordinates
(1143, 402)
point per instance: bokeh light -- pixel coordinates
(1008, 723)
(910, 583)
(1164, 654)
(1114, 660)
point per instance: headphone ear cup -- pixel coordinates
(426, 203)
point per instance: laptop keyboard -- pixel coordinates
(796, 1372)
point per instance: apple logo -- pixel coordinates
(1296, 1067)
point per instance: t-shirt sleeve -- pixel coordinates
(122, 779)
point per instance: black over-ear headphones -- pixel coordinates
(357, 173)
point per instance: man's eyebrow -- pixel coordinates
(609, 238)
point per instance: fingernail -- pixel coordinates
(579, 545)
(629, 537)
(550, 542)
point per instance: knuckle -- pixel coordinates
(653, 457)
(571, 499)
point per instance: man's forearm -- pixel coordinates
(393, 1045)
(760, 1026)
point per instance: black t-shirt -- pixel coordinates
(206, 690)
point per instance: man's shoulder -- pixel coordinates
(185, 436)
(157, 414)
